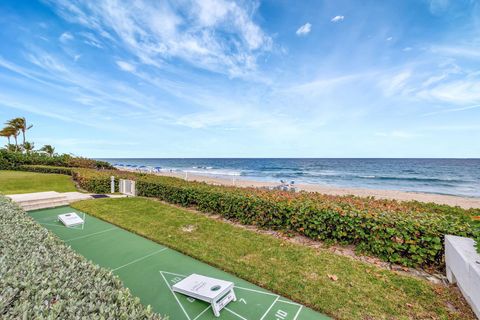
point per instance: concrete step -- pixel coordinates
(38, 197)
(41, 201)
(44, 205)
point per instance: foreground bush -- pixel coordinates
(41, 278)
(13, 160)
(407, 233)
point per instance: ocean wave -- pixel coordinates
(214, 172)
(413, 179)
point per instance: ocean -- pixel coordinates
(441, 176)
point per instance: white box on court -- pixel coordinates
(70, 219)
(214, 291)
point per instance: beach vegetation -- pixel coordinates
(14, 160)
(42, 278)
(28, 147)
(48, 149)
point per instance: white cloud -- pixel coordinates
(457, 91)
(396, 83)
(304, 30)
(219, 35)
(406, 49)
(389, 38)
(338, 18)
(452, 110)
(125, 66)
(65, 37)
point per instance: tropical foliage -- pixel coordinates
(13, 128)
(48, 149)
(42, 278)
(407, 233)
(14, 160)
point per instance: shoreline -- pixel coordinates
(463, 202)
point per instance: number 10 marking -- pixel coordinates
(281, 315)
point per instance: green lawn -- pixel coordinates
(360, 291)
(13, 182)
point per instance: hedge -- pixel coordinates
(14, 160)
(42, 278)
(407, 233)
(476, 226)
(47, 169)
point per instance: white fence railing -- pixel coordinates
(127, 187)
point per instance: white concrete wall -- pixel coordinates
(463, 268)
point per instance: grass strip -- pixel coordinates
(305, 275)
(13, 182)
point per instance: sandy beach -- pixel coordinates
(463, 202)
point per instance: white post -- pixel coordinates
(112, 184)
(186, 175)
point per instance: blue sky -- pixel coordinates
(270, 78)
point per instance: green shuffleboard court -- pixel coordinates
(150, 270)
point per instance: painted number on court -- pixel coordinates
(243, 301)
(175, 280)
(281, 315)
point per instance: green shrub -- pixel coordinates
(42, 278)
(476, 226)
(408, 233)
(99, 181)
(13, 160)
(47, 169)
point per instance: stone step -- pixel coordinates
(44, 205)
(38, 197)
(42, 200)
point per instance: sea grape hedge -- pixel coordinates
(14, 160)
(42, 278)
(407, 233)
(476, 226)
(410, 233)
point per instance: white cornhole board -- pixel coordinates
(70, 219)
(214, 291)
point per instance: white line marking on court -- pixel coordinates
(175, 274)
(52, 225)
(83, 220)
(298, 312)
(268, 293)
(231, 311)
(91, 234)
(139, 259)
(268, 310)
(186, 314)
(202, 312)
(290, 302)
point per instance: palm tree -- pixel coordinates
(21, 125)
(48, 149)
(7, 132)
(28, 146)
(11, 147)
(15, 126)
